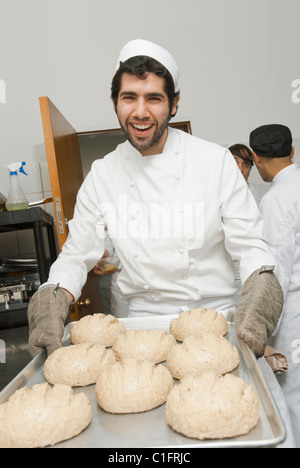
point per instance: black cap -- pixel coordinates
(272, 141)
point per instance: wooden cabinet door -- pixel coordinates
(66, 177)
(64, 164)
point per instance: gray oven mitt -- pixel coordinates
(47, 313)
(259, 309)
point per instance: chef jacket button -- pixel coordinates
(181, 251)
(152, 297)
(132, 184)
(177, 177)
(184, 277)
(146, 286)
(135, 255)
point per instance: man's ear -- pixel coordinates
(293, 152)
(256, 159)
(175, 106)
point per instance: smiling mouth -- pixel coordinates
(141, 128)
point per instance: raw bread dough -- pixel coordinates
(150, 345)
(133, 386)
(197, 353)
(77, 365)
(198, 322)
(209, 406)
(98, 328)
(43, 416)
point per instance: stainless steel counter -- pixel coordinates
(14, 354)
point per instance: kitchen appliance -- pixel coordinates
(19, 279)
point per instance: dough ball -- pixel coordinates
(77, 365)
(209, 406)
(98, 328)
(150, 345)
(198, 322)
(198, 353)
(43, 416)
(133, 386)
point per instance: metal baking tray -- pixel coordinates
(149, 429)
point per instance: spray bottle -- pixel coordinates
(16, 199)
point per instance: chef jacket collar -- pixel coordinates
(281, 174)
(172, 146)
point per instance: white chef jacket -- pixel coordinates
(281, 212)
(177, 220)
(280, 208)
(258, 190)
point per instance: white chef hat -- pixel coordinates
(142, 47)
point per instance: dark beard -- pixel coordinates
(141, 145)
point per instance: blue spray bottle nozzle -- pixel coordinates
(21, 169)
(18, 166)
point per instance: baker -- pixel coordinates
(177, 211)
(273, 152)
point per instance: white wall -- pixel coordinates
(237, 59)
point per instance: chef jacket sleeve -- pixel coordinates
(242, 222)
(85, 244)
(279, 228)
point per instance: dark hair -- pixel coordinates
(242, 151)
(140, 66)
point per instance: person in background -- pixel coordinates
(177, 210)
(273, 156)
(244, 159)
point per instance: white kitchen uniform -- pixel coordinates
(258, 190)
(281, 211)
(176, 220)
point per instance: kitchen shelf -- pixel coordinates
(34, 218)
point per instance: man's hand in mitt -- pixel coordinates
(47, 313)
(259, 309)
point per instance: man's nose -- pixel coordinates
(141, 110)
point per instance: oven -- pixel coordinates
(19, 279)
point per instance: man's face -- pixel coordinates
(144, 113)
